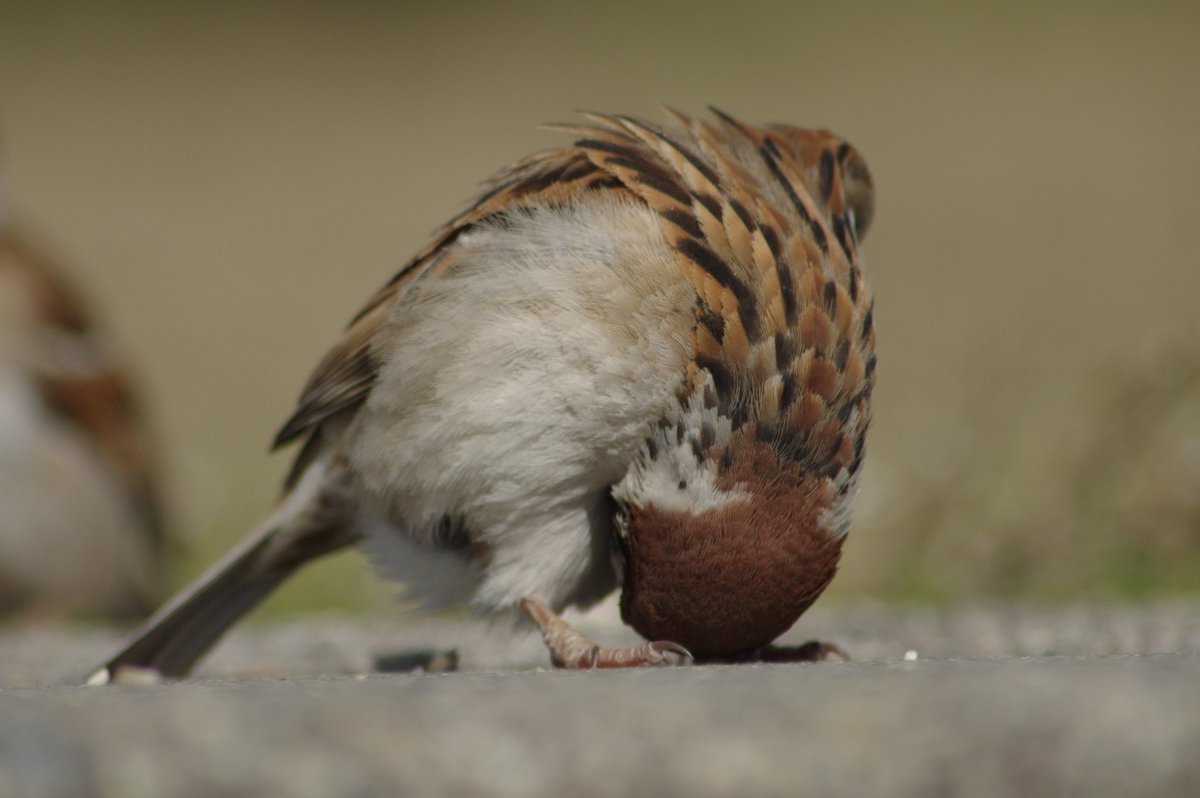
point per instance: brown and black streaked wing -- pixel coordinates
(344, 377)
(764, 223)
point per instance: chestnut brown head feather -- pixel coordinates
(728, 580)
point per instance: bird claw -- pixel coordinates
(571, 650)
(671, 653)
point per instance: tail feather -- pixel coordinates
(173, 639)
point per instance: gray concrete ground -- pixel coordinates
(1000, 701)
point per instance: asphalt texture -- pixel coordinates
(981, 701)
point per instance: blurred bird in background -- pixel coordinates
(81, 530)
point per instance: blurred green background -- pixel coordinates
(231, 180)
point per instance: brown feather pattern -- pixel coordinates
(764, 223)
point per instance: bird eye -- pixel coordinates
(859, 193)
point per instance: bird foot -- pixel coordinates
(569, 649)
(812, 651)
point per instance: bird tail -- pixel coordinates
(307, 524)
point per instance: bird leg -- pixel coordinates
(569, 649)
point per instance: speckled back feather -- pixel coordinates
(765, 223)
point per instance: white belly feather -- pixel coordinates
(516, 390)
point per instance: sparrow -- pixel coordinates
(81, 528)
(641, 360)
